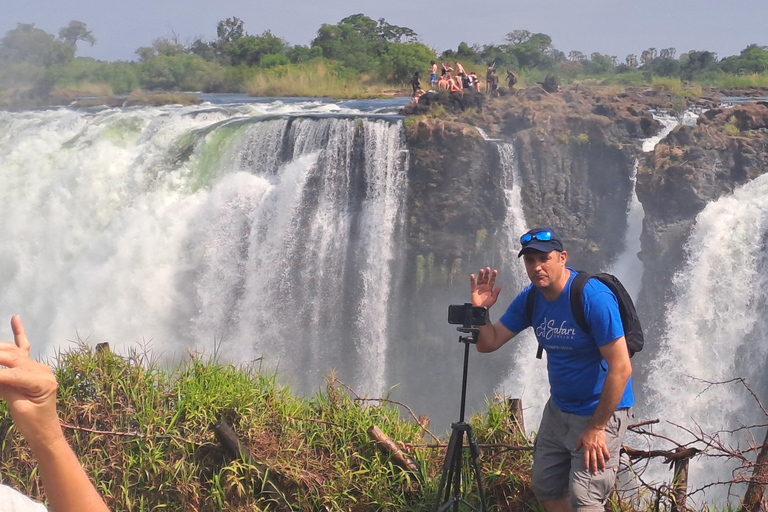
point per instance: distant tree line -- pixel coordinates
(357, 47)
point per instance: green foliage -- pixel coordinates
(360, 43)
(316, 78)
(753, 59)
(581, 139)
(76, 31)
(122, 77)
(144, 436)
(363, 49)
(731, 128)
(401, 61)
(249, 50)
(27, 44)
(185, 73)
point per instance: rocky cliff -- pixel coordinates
(690, 168)
(575, 151)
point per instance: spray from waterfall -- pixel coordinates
(235, 230)
(716, 330)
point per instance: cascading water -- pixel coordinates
(716, 330)
(628, 267)
(230, 229)
(526, 381)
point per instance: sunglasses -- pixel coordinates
(542, 236)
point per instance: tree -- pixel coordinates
(599, 64)
(518, 37)
(395, 34)
(230, 30)
(76, 31)
(249, 50)
(31, 45)
(161, 46)
(667, 53)
(576, 56)
(694, 63)
(532, 53)
(359, 42)
(753, 59)
(631, 60)
(401, 61)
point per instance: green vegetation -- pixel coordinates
(144, 435)
(356, 57)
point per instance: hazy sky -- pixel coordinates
(613, 27)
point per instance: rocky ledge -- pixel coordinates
(575, 152)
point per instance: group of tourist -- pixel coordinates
(457, 79)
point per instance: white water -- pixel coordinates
(527, 377)
(716, 328)
(628, 267)
(205, 227)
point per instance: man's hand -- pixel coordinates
(29, 388)
(595, 449)
(483, 293)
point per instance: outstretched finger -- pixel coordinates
(492, 279)
(19, 334)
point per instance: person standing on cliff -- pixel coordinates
(576, 453)
(432, 74)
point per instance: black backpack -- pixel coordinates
(633, 331)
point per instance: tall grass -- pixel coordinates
(144, 435)
(753, 80)
(315, 78)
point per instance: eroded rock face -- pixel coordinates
(690, 168)
(575, 153)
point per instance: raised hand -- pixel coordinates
(29, 388)
(482, 288)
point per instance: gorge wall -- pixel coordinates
(575, 152)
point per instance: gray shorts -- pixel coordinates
(558, 469)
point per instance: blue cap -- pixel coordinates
(541, 240)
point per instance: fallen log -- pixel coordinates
(387, 445)
(227, 437)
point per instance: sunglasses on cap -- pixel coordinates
(541, 236)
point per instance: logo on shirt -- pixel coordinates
(547, 330)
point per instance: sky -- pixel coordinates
(612, 27)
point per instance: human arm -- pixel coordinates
(616, 356)
(29, 388)
(490, 336)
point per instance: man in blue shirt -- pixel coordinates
(578, 444)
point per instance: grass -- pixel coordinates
(144, 435)
(316, 78)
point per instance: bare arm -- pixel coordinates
(491, 336)
(29, 388)
(616, 355)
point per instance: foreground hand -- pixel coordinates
(29, 388)
(483, 293)
(595, 449)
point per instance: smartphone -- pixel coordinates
(458, 313)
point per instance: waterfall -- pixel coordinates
(526, 379)
(716, 330)
(241, 231)
(628, 267)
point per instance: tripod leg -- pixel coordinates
(474, 450)
(458, 459)
(449, 465)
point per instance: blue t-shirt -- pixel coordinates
(576, 368)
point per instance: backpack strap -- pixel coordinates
(577, 304)
(529, 300)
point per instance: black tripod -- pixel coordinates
(454, 457)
